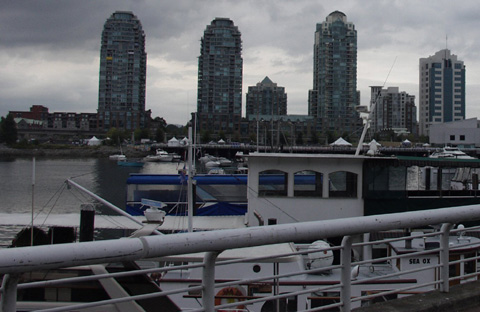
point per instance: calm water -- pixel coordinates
(101, 176)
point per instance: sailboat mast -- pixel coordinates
(190, 181)
(33, 199)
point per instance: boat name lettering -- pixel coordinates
(418, 261)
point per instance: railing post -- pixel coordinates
(9, 293)
(444, 256)
(208, 279)
(346, 258)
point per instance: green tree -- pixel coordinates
(330, 137)
(160, 135)
(116, 136)
(161, 123)
(205, 136)
(8, 130)
(299, 140)
(221, 135)
(141, 134)
(161, 126)
(314, 139)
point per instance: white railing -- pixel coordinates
(16, 261)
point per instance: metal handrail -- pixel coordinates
(66, 255)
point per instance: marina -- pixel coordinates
(284, 190)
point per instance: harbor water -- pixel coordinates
(39, 184)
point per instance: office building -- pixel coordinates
(442, 90)
(266, 98)
(394, 110)
(219, 99)
(334, 96)
(123, 65)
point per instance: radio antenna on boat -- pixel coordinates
(372, 108)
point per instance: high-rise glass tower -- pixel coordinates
(219, 101)
(123, 66)
(334, 96)
(442, 90)
(266, 98)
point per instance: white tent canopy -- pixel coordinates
(173, 142)
(406, 143)
(94, 141)
(184, 141)
(340, 142)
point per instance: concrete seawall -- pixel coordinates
(71, 152)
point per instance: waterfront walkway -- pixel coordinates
(461, 298)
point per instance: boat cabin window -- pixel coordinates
(272, 183)
(342, 184)
(308, 183)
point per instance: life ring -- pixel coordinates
(230, 292)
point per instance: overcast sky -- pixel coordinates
(49, 49)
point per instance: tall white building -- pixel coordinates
(393, 110)
(442, 90)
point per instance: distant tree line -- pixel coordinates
(8, 130)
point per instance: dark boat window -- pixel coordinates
(342, 184)
(308, 183)
(272, 183)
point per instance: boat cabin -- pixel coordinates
(286, 188)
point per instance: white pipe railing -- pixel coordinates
(15, 261)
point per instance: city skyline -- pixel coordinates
(50, 49)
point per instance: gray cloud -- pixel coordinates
(50, 48)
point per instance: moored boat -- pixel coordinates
(451, 153)
(160, 155)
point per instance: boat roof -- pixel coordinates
(171, 223)
(437, 162)
(273, 250)
(172, 179)
(319, 156)
(458, 243)
(394, 160)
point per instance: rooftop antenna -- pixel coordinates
(367, 122)
(446, 45)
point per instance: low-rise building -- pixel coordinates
(462, 133)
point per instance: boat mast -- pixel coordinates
(372, 109)
(33, 199)
(190, 181)
(106, 203)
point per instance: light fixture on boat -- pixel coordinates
(461, 234)
(154, 214)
